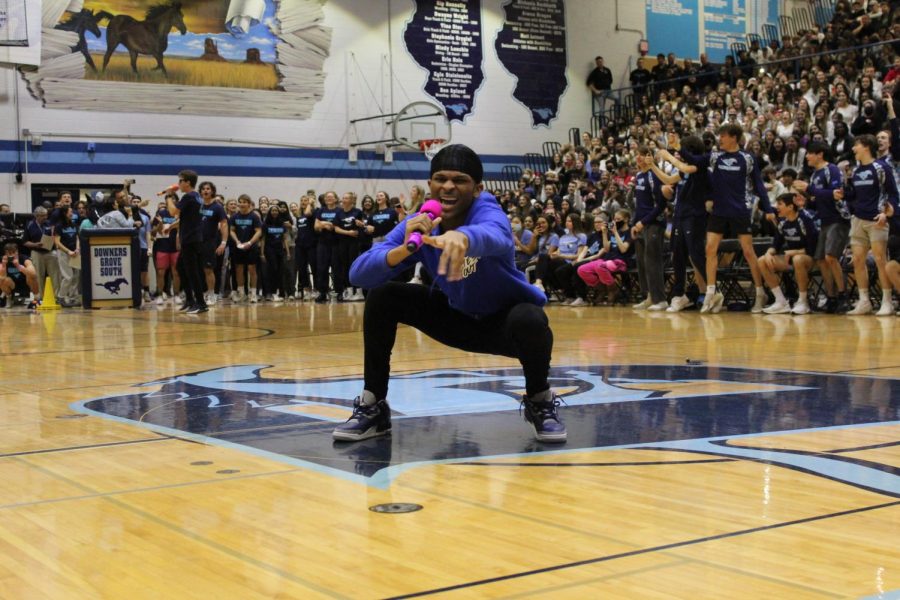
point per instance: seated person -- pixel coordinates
(17, 277)
(614, 257)
(794, 247)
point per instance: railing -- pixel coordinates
(625, 103)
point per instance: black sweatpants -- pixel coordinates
(521, 331)
(274, 281)
(327, 257)
(305, 263)
(190, 260)
(688, 243)
(649, 251)
(347, 250)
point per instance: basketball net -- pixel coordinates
(431, 147)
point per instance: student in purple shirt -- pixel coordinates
(479, 301)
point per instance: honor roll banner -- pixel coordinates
(532, 47)
(111, 259)
(444, 38)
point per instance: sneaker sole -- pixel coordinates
(552, 438)
(346, 436)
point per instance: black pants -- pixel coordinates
(521, 331)
(327, 257)
(274, 281)
(190, 262)
(559, 275)
(347, 251)
(304, 262)
(688, 242)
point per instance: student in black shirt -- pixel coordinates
(365, 236)
(384, 219)
(326, 250)
(273, 251)
(246, 230)
(305, 247)
(190, 231)
(349, 223)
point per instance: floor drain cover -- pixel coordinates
(396, 507)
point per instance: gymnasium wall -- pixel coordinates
(367, 43)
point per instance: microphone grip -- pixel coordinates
(414, 242)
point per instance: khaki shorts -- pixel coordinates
(865, 233)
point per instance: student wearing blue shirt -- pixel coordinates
(348, 227)
(190, 232)
(215, 238)
(736, 185)
(327, 258)
(305, 246)
(556, 268)
(834, 219)
(165, 250)
(690, 192)
(44, 261)
(522, 240)
(648, 232)
(68, 246)
(543, 242)
(273, 252)
(794, 246)
(479, 301)
(246, 231)
(872, 195)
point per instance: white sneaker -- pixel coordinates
(800, 308)
(416, 280)
(254, 298)
(862, 307)
(160, 300)
(713, 304)
(886, 310)
(277, 298)
(147, 297)
(567, 301)
(292, 297)
(235, 296)
(777, 308)
(643, 305)
(679, 303)
(822, 301)
(359, 297)
(211, 301)
(659, 306)
(578, 302)
(759, 304)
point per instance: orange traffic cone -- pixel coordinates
(48, 300)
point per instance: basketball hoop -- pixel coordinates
(430, 147)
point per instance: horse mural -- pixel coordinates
(150, 36)
(82, 22)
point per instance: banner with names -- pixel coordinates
(532, 47)
(444, 38)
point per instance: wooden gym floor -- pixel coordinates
(147, 454)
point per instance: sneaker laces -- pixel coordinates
(544, 410)
(360, 409)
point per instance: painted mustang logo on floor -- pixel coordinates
(452, 415)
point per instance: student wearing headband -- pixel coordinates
(479, 301)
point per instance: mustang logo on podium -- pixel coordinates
(455, 415)
(113, 286)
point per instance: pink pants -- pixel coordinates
(600, 271)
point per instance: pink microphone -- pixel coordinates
(171, 188)
(432, 208)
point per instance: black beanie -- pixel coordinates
(457, 157)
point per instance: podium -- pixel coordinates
(110, 268)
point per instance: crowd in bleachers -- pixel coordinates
(645, 196)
